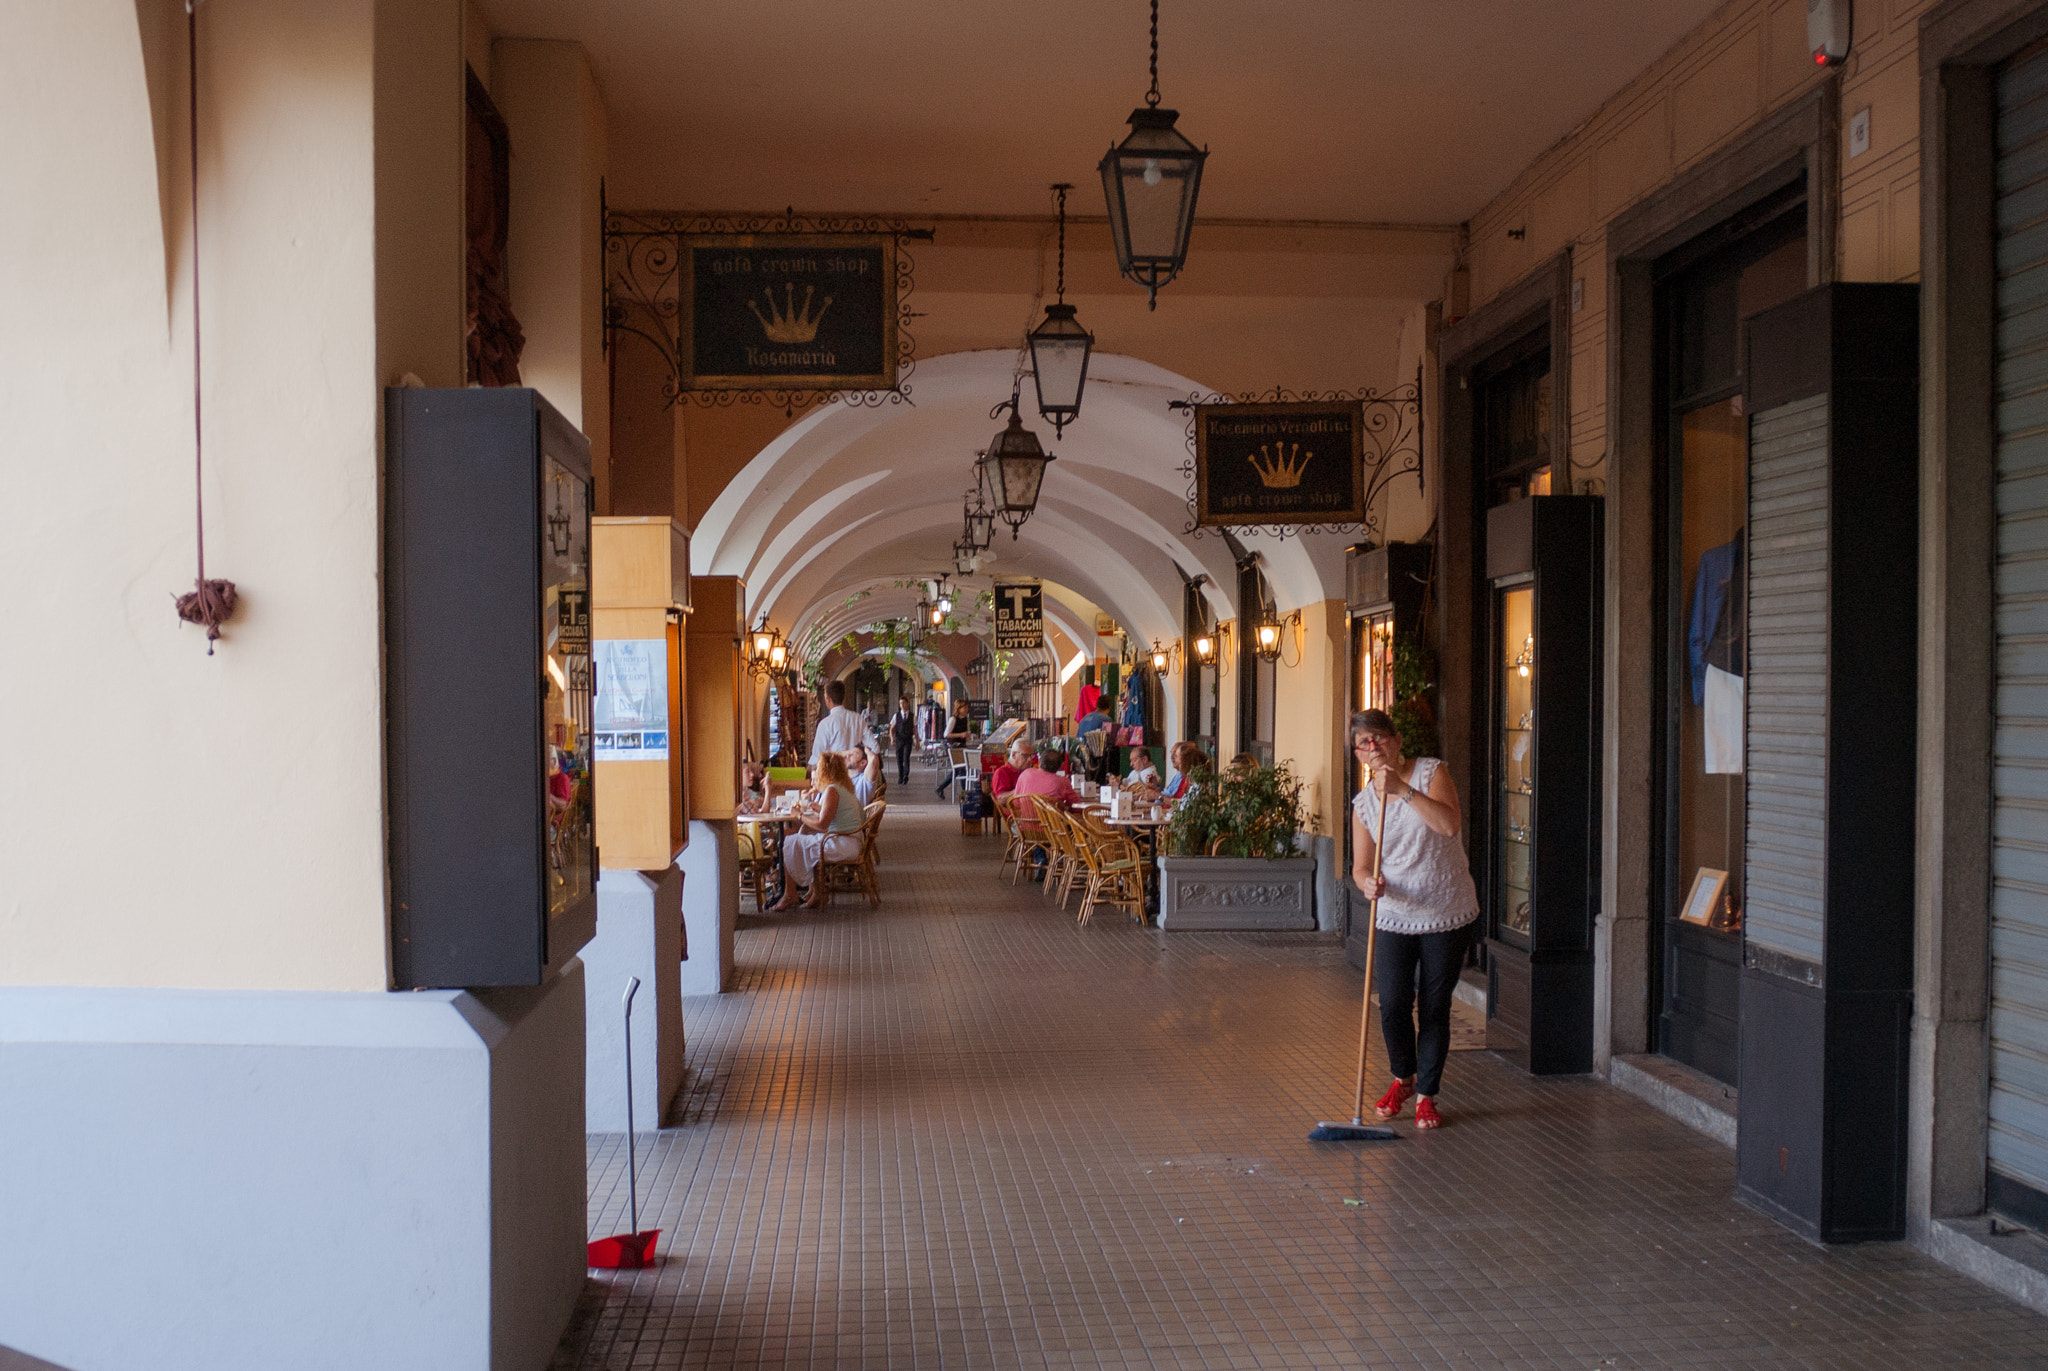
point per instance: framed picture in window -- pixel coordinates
(1705, 899)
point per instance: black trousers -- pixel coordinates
(1398, 959)
(903, 762)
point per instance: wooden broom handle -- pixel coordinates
(1372, 925)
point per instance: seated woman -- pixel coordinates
(1184, 760)
(830, 833)
(753, 788)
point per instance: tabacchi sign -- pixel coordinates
(1020, 615)
(1301, 462)
(789, 311)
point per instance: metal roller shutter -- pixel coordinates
(1785, 848)
(2018, 1147)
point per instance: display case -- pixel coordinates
(1383, 596)
(1540, 885)
(642, 568)
(488, 680)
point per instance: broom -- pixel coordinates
(1358, 1130)
(629, 1251)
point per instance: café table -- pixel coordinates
(768, 833)
(1145, 829)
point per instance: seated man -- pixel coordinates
(1004, 778)
(1144, 775)
(865, 765)
(1044, 779)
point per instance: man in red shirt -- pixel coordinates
(1004, 778)
(1044, 780)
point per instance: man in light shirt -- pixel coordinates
(839, 731)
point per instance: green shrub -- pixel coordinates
(1249, 812)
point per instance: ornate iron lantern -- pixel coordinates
(1205, 650)
(1160, 660)
(765, 652)
(1151, 180)
(1015, 466)
(965, 555)
(1060, 346)
(979, 518)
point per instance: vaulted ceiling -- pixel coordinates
(1359, 110)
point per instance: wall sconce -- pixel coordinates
(1205, 649)
(1266, 638)
(1165, 660)
(765, 650)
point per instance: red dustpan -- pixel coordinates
(627, 1251)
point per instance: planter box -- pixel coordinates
(1204, 893)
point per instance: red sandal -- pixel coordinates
(1425, 1113)
(1391, 1102)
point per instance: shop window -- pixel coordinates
(1739, 270)
(1513, 418)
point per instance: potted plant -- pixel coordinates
(1229, 859)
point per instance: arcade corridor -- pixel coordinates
(959, 1131)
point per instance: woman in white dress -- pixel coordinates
(1427, 907)
(831, 833)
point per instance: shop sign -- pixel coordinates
(1300, 462)
(1020, 615)
(631, 710)
(572, 620)
(788, 311)
(978, 711)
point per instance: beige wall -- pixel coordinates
(1746, 62)
(556, 122)
(176, 819)
(1309, 707)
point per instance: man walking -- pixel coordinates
(838, 731)
(902, 734)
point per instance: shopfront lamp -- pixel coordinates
(778, 657)
(764, 641)
(1158, 658)
(1205, 650)
(1150, 181)
(1266, 639)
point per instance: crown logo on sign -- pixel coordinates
(787, 323)
(1281, 468)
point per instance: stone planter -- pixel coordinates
(1207, 893)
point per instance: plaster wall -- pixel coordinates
(1745, 63)
(556, 122)
(1309, 706)
(229, 809)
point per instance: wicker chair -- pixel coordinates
(756, 862)
(1065, 870)
(1026, 834)
(1116, 869)
(857, 874)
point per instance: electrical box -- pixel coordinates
(488, 687)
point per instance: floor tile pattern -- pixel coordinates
(960, 1131)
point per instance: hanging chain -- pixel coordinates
(1063, 187)
(1152, 96)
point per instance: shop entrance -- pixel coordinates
(1704, 292)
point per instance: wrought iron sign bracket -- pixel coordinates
(1393, 449)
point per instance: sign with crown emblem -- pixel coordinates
(1299, 462)
(789, 311)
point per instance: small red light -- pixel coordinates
(1820, 59)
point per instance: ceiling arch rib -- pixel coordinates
(846, 483)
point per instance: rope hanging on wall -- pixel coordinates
(208, 603)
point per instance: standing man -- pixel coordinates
(902, 733)
(839, 731)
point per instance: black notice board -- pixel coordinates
(789, 311)
(1299, 462)
(978, 711)
(1020, 615)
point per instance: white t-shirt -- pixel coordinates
(838, 731)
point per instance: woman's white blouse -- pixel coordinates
(1429, 882)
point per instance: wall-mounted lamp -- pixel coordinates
(1266, 638)
(1162, 658)
(1205, 649)
(765, 650)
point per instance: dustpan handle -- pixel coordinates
(632, 1178)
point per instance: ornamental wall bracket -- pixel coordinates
(1393, 450)
(644, 257)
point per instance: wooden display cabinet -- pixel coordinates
(641, 566)
(717, 686)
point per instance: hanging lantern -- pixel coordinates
(1151, 180)
(1059, 346)
(1015, 464)
(979, 518)
(964, 555)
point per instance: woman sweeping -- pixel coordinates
(831, 833)
(1427, 905)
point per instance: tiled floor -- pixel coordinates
(961, 1132)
